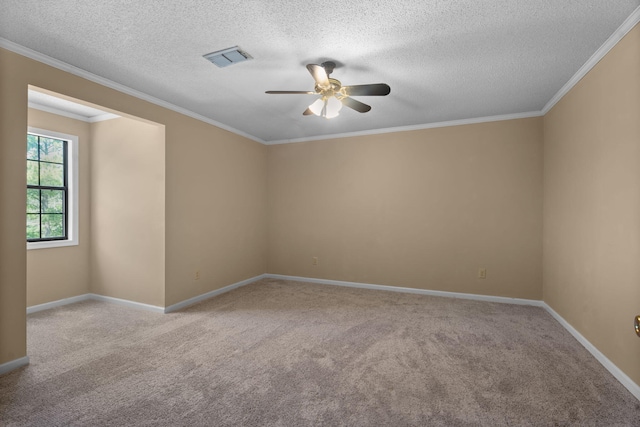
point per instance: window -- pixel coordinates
(52, 207)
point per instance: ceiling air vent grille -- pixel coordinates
(226, 57)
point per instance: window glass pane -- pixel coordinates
(52, 201)
(51, 175)
(52, 225)
(33, 226)
(32, 147)
(51, 150)
(46, 207)
(32, 172)
(33, 201)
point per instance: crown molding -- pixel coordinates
(628, 24)
(103, 117)
(59, 112)
(37, 56)
(449, 123)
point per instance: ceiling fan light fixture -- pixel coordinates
(333, 107)
(317, 107)
(326, 107)
(333, 95)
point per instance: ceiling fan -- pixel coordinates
(332, 94)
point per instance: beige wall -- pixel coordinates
(128, 210)
(592, 205)
(58, 273)
(13, 182)
(422, 209)
(206, 168)
(217, 183)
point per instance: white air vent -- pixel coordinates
(225, 57)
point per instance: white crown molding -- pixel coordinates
(205, 296)
(628, 24)
(14, 364)
(37, 56)
(476, 297)
(449, 123)
(59, 112)
(631, 21)
(604, 360)
(103, 117)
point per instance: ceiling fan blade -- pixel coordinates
(319, 75)
(307, 112)
(377, 89)
(290, 92)
(356, 105)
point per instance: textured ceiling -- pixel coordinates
(444, 60)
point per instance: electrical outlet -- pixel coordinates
(482, 273)
(314, 260)
(196, 275)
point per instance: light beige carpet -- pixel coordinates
(296, 354)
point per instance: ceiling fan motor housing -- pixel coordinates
(334, 88)
(328, 66)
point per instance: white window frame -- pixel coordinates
(72, 180)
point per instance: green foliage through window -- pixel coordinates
(46, 188)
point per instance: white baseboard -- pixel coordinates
(58, 303)
(488, 298)
(14, 364)
(627, 382)
(604, 361)
(134, 304)
(127, 303)
(199, 298)
(95, 297)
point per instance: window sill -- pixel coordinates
(51, 244)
